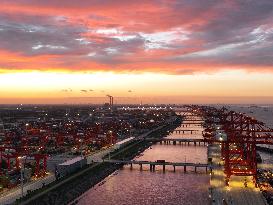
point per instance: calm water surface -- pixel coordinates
(137, 187)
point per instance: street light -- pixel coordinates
(111, 142)
(22, 174)
(80, 140)
(130, 130)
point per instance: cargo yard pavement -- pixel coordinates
(236, 193)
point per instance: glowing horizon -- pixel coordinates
(54, 85)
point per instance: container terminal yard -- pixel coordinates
(53, 141)
(45, 149)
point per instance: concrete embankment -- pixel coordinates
(68, 189)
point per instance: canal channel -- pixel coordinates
(132, 186)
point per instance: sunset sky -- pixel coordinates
(152, 51)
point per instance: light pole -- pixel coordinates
(111, 137)
(80, 140)
(22, 182)
(22, 174)
(130, 130)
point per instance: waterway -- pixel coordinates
(136, 187)
(267, 160)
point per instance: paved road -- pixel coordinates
(16, 193)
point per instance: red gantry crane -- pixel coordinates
(242, 134)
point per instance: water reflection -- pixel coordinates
(267, 160)
(137, 187)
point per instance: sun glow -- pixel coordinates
(38, 84)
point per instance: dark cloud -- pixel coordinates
(39, 36)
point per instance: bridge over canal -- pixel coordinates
(162, 163)
(174, 141)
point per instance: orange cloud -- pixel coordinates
(177, 37)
